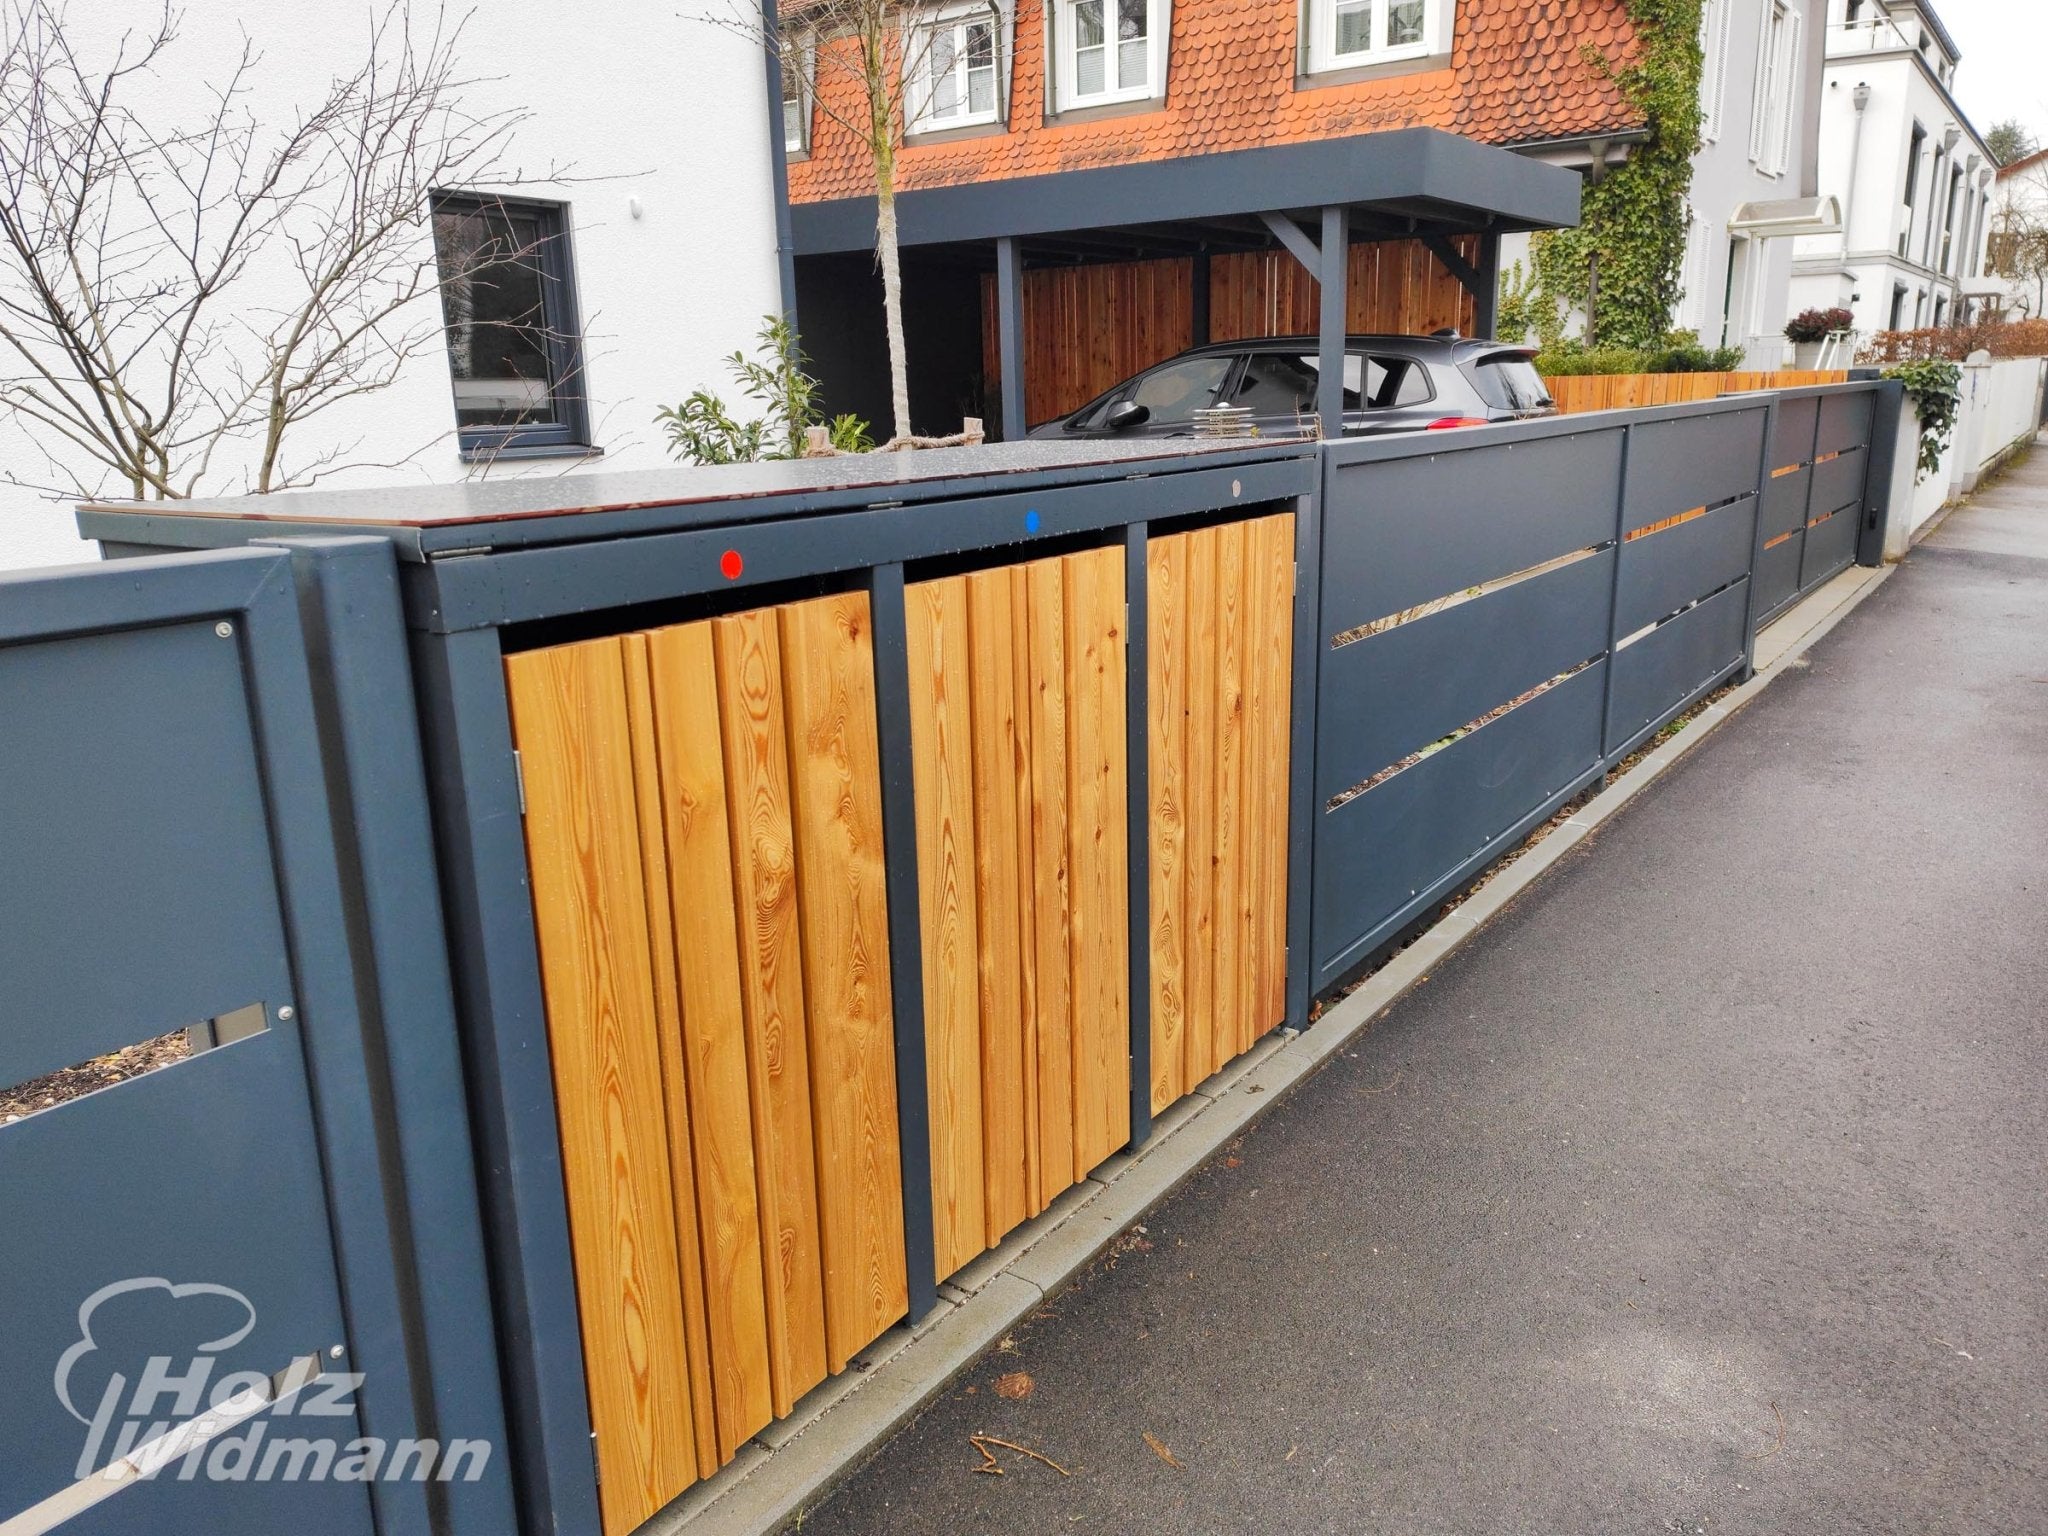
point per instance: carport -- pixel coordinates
(1312, 199)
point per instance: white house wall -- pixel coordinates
(630, 103)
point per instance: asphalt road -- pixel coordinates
(1703, 1191)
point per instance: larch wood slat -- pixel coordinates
(1099, 863)
(568, 707)
(669, 1037)
(751, 717)
(1021, 673)
(1166, 617)
(1233, 584)
(1000, 884)
(1045, 648)
(836, 774)
(941, 734)
(698, 841)
(1205, 1052)
(1273, 748)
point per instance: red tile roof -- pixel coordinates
(1520, 71)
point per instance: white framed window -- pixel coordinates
(796, 95)
(1109, 51)
(1714, 70)
(1345, 34)
(955, 60)
(1777, 85)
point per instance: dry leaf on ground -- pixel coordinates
(1015, 1385)
(1160, 1449)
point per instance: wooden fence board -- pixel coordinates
(661, 950)
(750, 701)
(1166, 615)
(1234, 582)
(1098, 862)
(999, 888)
(1576, 393)
(1205, 1053)
(1272, 749)
(570, 727)
(835, 770)
(941, 733)
(1051, 910)
(1025, 874)
(698, 842)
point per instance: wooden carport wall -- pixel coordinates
(1087, 327)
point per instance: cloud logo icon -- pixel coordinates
(86, 1344)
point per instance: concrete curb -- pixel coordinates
(796, 1462)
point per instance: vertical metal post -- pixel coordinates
(1614, 602)
(1333, 328)
(1486, 309)
(1886, 407)
(473, 781)
(906, 934)
(377, 793)
(1198, 301)
(1010, 334)
(1756, 540)
(1302, 811)
(1138, 819)
(778, 163)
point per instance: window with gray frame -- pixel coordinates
(508, 304)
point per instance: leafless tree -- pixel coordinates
(2018, 247)
(180, 292)
(870, 68)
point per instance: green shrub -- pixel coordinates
(702, 431)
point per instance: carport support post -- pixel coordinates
(1010, 334)
(1486, 300)
(1336, 256)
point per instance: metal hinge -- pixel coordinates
(519, 773)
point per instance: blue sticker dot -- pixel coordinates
(1031, 522)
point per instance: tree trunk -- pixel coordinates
(890, 260)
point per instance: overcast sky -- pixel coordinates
(2004, 67)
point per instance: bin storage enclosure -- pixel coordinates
(844, 858)
(840, 859)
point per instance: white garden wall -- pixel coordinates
(1998, 413)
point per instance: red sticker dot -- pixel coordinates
(730, 565)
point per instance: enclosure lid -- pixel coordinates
(517, 512)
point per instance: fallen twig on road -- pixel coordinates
(1775, 1446)
(993, 1468)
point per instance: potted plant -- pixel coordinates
(1810, 328)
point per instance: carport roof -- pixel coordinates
(1404, 181)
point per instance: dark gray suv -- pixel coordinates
(1391, 384)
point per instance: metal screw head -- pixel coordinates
(224, 629)
(1237, 487)
(285, 1012)
(334, 1351)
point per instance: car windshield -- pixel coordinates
(1510, 384)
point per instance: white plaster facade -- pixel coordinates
(1912, 175)
(658, 124)
(1758, 96)
(2013, 264)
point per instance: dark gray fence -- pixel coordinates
(198, 822)
(1506, 613)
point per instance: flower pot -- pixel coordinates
(1806, 354)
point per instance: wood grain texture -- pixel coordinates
(1234, 584)
(1025, 874)
(828, 658)
(941, 736)
(698, 843)
(1099, 857)
(999, 890)
(1166, 619)
(569, 718)
(1205, 1053)
(1272, 749)
(669, 1037)
(748, 657)
(1051, 916)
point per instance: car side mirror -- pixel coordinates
(1126, 414)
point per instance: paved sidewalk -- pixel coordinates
(1702, 1191)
